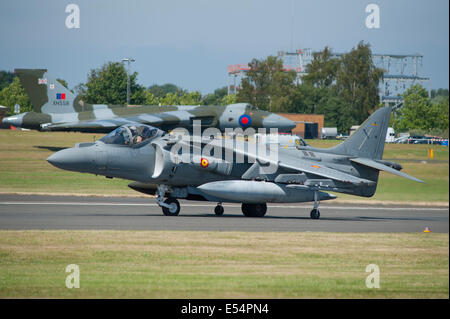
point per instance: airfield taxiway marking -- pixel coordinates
(227, 205)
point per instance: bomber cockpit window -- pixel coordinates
(252, 107)
(130, 134)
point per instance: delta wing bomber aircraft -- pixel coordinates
(235, 170)
(55, 108)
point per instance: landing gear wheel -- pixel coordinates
(174, 208)
(315, 214)
(218, 210)
(254, 210)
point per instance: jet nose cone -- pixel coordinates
(72, 159)
(15, 120)
(276, 121)
(57, 159)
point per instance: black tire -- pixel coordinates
(254, 210)
(171, 212)
(315, 214)
(218, 210)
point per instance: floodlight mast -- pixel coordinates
(128, 60)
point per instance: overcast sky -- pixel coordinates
(191, 43)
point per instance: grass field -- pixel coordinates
(24, 169)
(174, 264)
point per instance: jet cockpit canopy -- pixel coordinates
(130, 134)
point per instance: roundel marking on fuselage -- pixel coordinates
(245, 120)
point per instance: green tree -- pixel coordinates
(170, 99)
(416, 112)
(191, 98)
(6, 78)
(80, 89)
(216, 97)
(357, 82)
(440, 120)
(150, 99)
(322, 70)
(439, 92)
(15, 94)
(108, 85)
(267, 85)
(160, 91)
(228, 99)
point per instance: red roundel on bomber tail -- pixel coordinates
(245, 120)
(204, 162)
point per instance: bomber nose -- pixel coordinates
(73, 159)
(15, 120)
(280, 122)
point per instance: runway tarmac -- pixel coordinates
(74, 212)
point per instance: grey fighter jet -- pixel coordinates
(57, 109)
(157, 164)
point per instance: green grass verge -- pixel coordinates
(24, 169)
(178, 264)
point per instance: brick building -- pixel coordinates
(312, 127)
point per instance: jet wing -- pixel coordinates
(165, 120)
(104, 125)
(87, 126)
(381, 167)
(323, 171)
(293, 163)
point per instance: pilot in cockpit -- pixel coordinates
(130, 135)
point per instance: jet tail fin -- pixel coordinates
(46, 94)
(368, 141)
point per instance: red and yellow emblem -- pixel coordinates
(204, 162)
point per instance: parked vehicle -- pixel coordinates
(329, 132)
(390, 136)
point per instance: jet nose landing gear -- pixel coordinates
(315, 214)
(171, 207)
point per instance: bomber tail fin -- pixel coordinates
(368, 141)
(46, 94)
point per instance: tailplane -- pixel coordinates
(46, 94)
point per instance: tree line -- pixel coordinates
(422, 114)
(108, 85)
(344, 88)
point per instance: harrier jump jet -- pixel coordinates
(157, 164)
